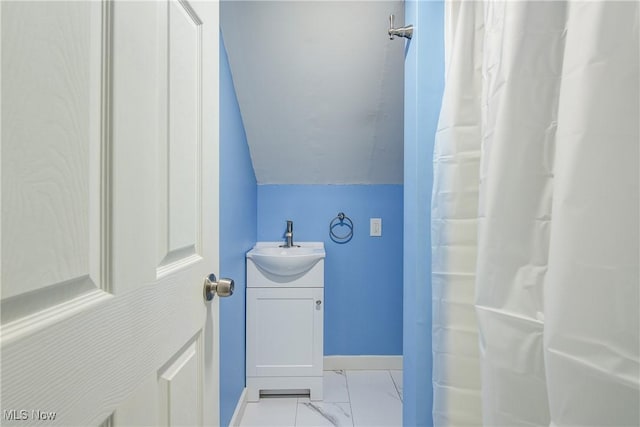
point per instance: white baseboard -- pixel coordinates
(240, 407)
(372, 363)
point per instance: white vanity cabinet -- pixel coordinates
(284, 331)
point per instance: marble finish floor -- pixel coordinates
(351, 398)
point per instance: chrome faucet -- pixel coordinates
(289, 235)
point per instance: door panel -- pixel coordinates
(50, 166)
(180, 171)
(180, 388)
(103, 319)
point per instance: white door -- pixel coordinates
(109, 197)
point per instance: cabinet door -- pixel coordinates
(284, 332)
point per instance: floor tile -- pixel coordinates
(396, 376)
(271, 412)
(351, 399)
(323, 414)
(335, 387)
(374, 399)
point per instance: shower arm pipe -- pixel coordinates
(406, 31)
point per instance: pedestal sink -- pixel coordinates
(283, 261)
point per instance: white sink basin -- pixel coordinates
(272, 258)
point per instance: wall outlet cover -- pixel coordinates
(375, 227)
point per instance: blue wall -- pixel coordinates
(424, 84)
(238, 198)
(363, 278)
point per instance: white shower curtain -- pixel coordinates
(535, 216)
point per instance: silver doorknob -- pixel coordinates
(212, 286)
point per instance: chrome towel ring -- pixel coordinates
(338, 222)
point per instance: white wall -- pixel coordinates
(320, 88)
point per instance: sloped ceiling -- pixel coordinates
(320, 88)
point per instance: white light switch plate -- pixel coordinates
(375, 227)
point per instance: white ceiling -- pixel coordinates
(320, 88)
